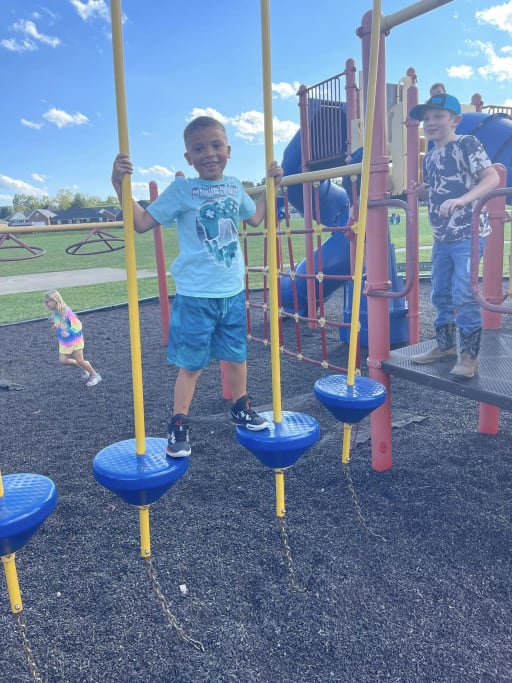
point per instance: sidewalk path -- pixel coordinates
(15, 284)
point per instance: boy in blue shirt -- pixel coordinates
(208, 314)
(457, 172)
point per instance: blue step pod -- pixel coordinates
(283, 443)
(138, 479)
(349, 403)
(27, 501)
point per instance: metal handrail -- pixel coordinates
(475, 256)
(411, 251)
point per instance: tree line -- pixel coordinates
(64, 199)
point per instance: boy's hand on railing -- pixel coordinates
(275, 171)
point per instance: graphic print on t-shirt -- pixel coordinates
(216, 224)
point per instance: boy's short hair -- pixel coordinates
(444, 101)
(202, 122)
(440, 87)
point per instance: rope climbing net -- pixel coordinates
(304, 286)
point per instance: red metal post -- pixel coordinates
(377, 253)
(308, 208)
(477, 101)
(492, 286)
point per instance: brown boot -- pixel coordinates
(466, 366)
(469, 348)
(434, 355)
(445, 349)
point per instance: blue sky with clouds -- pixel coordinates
(182, 59)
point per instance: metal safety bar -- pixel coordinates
(411, 251)
(475, 256)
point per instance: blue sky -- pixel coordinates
(183, 59)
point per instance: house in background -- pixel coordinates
(40, 217)
(18, 219)
(90, 214)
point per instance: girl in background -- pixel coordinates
(69, 333)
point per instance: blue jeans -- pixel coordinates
(451, 286)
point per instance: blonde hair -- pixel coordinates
(55, 295)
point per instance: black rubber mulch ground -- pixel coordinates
(423, 593)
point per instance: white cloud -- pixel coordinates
(249, 125)
(91, 9)
(207, 112)
(31, 124)
(498, 67)
(140, 190)
(38, 177)
(6, 198)
(156, 170)
(284, 130)
(499, 16)
(286, 91)
(463, 71)
(30, 29)
(19, 186)
(62, 119)
(13, 45)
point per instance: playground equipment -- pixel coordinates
(329, 129)
(96, 236)
(26, 500)
(136, 469)
(290, 434)
(352, 398)
(27, 251)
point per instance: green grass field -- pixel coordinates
(29, 305)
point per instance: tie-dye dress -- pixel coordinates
(69, 331)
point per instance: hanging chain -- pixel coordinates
(32, 666)
(288, 554)
(357, 507)
(166, 608)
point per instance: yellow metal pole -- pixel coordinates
(360, 229)
(1, 486)
(11, 579)
(131, 265)
(365, 178)
(347, 434)
(271, 211)
(280, 502)
(145, 534)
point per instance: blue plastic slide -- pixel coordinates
(495, 133)
(334, 212)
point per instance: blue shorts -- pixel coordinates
(202, 329)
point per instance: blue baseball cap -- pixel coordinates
(442, 101)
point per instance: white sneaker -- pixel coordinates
(95, 379)
(84, 374)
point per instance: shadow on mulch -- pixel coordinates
(405, 575)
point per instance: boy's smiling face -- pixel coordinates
(439, 125)
(208, 152)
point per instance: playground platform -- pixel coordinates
(492, 384)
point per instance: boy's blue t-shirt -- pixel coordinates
(210, 262)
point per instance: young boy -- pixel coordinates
(437, 89)
(208, 314)
(457, 173)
